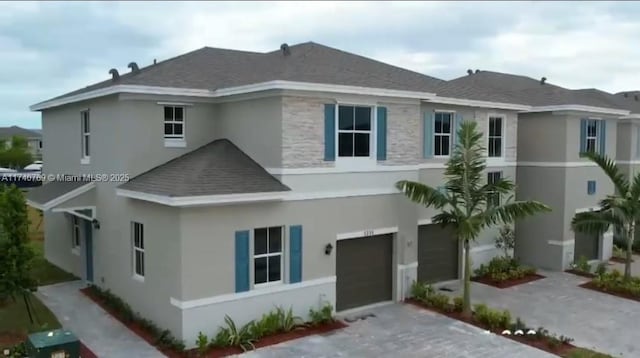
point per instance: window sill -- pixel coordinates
(75, 251)
(138, 278)
(266, 285)
(175, 143)
(85, 160)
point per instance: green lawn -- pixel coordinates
(15, 323)
(45, 272)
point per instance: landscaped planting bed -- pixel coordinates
(581, 267)
(275, 327)
(613, 283)
(495, 321)
(503, 272)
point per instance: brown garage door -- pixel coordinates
(586, 245)
(363, 270)
(437, 254)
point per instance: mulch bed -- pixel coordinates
(301, 331)
(619, 260)
(581, 273)
(592, 286)
(507, 283)
(541, 344)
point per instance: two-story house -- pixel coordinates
(561, 124)
(226, 182)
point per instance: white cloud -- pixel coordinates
(50, 48)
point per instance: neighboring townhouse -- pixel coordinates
(561, 124)
(226, 182)
(33, 137)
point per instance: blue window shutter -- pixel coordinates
(428, 134)
(382, 133)
(591, 187)
(602, 133)
(583, 135)
(458, 125)
(242, 261)
(330, 132)
(295, 253)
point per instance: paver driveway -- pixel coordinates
(595, 320)
(403, 331)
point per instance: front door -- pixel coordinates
(88, 244)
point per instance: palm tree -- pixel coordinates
(620, 210)
(465, 202)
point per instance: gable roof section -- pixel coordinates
(214, 68)
(215, 169)
(57, 192)
(8, 132)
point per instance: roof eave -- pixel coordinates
(203, 200)
(578, 108)
(231, 91)
(476, 103)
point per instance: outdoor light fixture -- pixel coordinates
(96, 224)
(327, 249)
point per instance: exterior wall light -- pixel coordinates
(327, 249)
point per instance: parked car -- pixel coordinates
(35, 166)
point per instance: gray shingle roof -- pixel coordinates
(51, 190)
(494, 86)
(216, 168)
(212, 68)
(8, 132)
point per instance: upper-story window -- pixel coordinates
(592, 135)
(174, 122)
(354, 131)
(495, 137)
(442, 133)
(86, 134)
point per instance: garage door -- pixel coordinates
(363, 270)
(586, 245)
(437, 254)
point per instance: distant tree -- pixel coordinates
(16, 256)
(17, 154)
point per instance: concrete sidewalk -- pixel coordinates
(104, 335)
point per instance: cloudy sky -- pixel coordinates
(49, 48)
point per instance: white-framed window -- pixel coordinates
(86, 135)
(174, 122)
(591, 139)
(75, 234)
(268, 263)
(494, 198)
(137, 241)
(495, 136)
(355, 131)
(442, 133)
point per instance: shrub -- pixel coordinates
(286, 320)
(457, 304)
(236, 337)
(438, 301)
(614, 281)
(420, 290)
(503, 268)
(619, 252)
(506, 240)
(269, 324)
(494, 319)
(321, 316)
(202, 342)
(583, 265)
(601, 269)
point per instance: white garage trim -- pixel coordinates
(571, 242)
(365, 233)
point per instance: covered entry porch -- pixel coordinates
(70, 219)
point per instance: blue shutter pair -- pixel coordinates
(601, 133)
(591, 187)
(428, 132)
(242, 257)
(330, 133)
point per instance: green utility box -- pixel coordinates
(58, 343)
